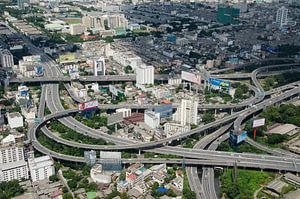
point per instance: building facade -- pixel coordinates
(187, 112)
(144, 75)
(6, 58)
(41, 168)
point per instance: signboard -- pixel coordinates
(115, 118)
(33, 58)
(241, 137)
(191, 77)
(83, 106)
(259, 122)
(219, 83)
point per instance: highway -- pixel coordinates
(50, 97)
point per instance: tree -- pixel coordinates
(207, 118)
(67, 196)
(53, 178)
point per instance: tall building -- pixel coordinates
(187, 112)
(90, 157)
(41, 168)
(111, 161)
(21, 4)
(282, 17)
(144, 75)
(93, 22)
(6, 58)
(99, 66)
(117, 21)
(228, 15)
(12, 161)
(152, 119)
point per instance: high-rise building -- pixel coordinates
(117, 21)
(41, 168)
(152, 119)
(144, 75)
(6, 58)
(90, 157)
(12, 161)
(187, 112)
(99, 66)
(228, 15)
(21, 4)
(93, 22)
(282, 16)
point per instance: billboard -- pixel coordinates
(114, 118)
(219, 82)
(33, 58)
(241, 137)
(259, 122)
(83, 106)
(165, 110)
(39, 70)
(191, 77)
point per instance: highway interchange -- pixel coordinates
(191, 157)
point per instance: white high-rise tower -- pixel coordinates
(282, 16)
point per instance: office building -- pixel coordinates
(93, 22)
(125, 111)
(282, 17)
(164, 110)
(15, 120)
(187, 112)
(117, 21)
(12, 161)
(152, 119)
(41, 168)
(76, 29)
(99, 66)
(144, 75)
(21, 4)
(6, 58)
(111, 161)
(228, 15)
(90, 157)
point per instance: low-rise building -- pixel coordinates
(41, 168)
(15, 120)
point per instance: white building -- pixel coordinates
(187, 112)
(6, 58)
(152, 119)
(14, 171)
(13, 165)
(41, 168)
(173, 128)
(76, 29)
(126, 112)
(144, 75)
(117, 21)
(99, 66)
(282, 17)
(15, 120)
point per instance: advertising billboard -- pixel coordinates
(259, 122)
(219, 83)
(191, 77)
(33, 58)
(241, 137)
(83, 106)
(39, 70)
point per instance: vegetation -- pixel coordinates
(241, 90)
(10, 189)
(95, 122)
(288, 50)
(154, 155)
(247, 182)
(279, 80)
(59, 148)
(241, 148)
(69, 134)
(208, 117)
